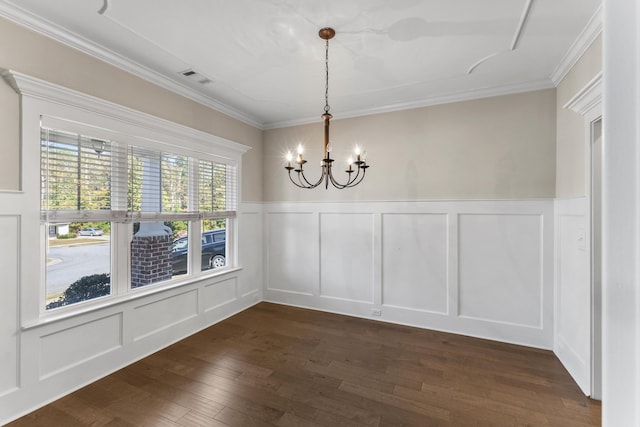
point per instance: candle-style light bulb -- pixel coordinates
(289, 158)
(358, 150)
(363, 156)
(300, 151)
(329, 147)
(350, 162)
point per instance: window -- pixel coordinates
(83, 183)
(97, 190)
(75, 205)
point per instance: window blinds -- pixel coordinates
(216, 189)
(77, 176)
(88, 178)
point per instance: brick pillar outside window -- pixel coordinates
(151, 259)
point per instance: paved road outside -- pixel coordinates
(74, 262)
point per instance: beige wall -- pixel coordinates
(9, 136)
(571, 138)
(30, 53)
(493, 148)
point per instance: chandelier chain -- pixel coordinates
(326, 78)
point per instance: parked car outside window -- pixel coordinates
(90, 232)
(213, 251)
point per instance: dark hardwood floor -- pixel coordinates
(278, 365)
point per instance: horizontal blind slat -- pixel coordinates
(90, 178)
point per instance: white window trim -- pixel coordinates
(41, 98)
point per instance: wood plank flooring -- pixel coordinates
(284, 366)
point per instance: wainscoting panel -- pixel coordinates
(479, 268)
(220, 293)
(67, 348)
(159, 315)
(346, 256)
(415, 261)
(500, 270)
(292, 252)
(573, 289)
(9, 285)
(250, 241)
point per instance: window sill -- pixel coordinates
(111, 301)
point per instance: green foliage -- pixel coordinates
(134, 189)
(178, 228)
(213, 224)
(67, 236)
(85, 288)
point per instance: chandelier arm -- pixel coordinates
(355, 177)
(355, 180)
(301, 177)
(352, 179)
(353, 184)
(294, 182)
(337, 184)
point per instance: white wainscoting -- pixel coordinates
(292, 252)
(573, 289)
(175, 309)
(346, 241)
(88, 340)
(9, 296)
(43, 362)
(500, 268)
(415, 268)
(480, 268)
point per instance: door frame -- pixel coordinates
(588, 103)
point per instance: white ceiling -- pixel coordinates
(265, 61)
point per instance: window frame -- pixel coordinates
(43, 99)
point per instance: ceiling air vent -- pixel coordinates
(192, 75)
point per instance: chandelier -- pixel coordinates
(357, 167)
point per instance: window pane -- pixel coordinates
(175, 180)
(78, 263)
(159, 252)
(76, 172)
(216, 187)
(214, 240)
(158, 182)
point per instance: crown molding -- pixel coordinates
(588, 97)
(428, 102)
(68, 38)
(588, 35)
